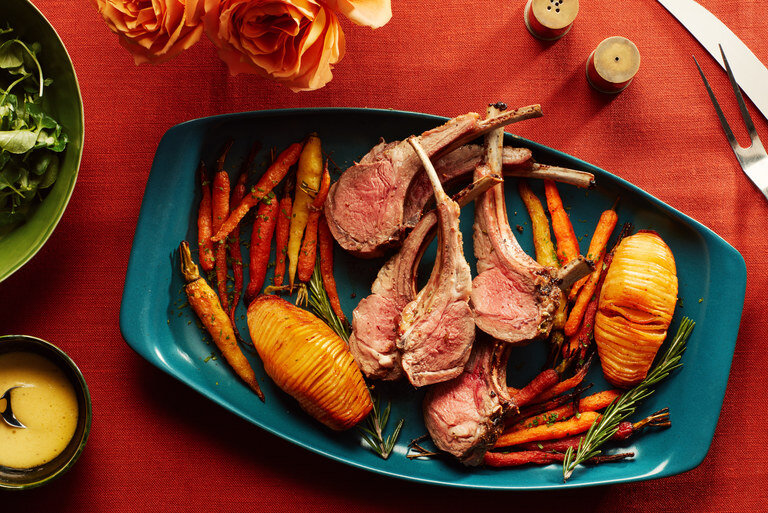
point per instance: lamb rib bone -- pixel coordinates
(459, 165)
(514, 298)
(375, 320)
(436, 328)
(364, 208)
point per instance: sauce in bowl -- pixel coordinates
(46, 405)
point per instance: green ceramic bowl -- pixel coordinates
(11, 478)
(66, 106)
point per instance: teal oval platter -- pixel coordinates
(711, 273)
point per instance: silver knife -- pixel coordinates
(749, 72)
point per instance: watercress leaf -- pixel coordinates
(11, 55)
(17, 141)
(8, 177)
(51, 172)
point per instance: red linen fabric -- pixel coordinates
(158, 446)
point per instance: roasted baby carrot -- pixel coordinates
(596, 253)
(206, 305)
(580, 306)
(597, 245)
(569, 383)
(282, 231)
(309, 174)
(325, 242)
(205, 222)
(549, 404)
(308, 252)
(261, 243)
(567, 243)
(539, 457)
(518, 458)
(582, 339)
(572, 426)
(544, 381)
(220, 209)
(594, 402)
(266, 183)
(542, 238)
(624, 430)
(233, 244)
(582, 301)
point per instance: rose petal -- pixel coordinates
(295, 42)
(369, 13)
(152, 30)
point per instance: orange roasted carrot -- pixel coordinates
(233, 244)
(567, 243)
(592, 402)
(206, 305)
(282, 231)
(518, 458)
(261, 243)
(625, 429)
(308, 252)
(325, 242)
(205, 223)
(538, 385)
(220, 210)
(542, 238)
(597, 245)
(582, 339)
(583, 299)
(570, 427)
(567, 384)
(539, 457)
(271, 177)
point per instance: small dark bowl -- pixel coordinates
(11, 478)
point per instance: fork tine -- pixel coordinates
(742, 106)
(723, 121)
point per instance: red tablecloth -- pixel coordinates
(156, 445)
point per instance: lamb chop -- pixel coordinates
(465, 416)
(514, 298)
(365, 206)
(436, 328)
(375, 321)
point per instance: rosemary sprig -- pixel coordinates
(321, 305)
(625, 405)
(376, 422)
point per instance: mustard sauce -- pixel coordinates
(46, 405)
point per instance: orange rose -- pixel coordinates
(370, 13)
(295, 42)
(152, 30)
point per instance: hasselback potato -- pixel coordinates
(309, 361)
(635, 307)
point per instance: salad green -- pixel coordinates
(30, 139)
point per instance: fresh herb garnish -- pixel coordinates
(376, 422)
(321, 305)
(625, 405)
(29, 138)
